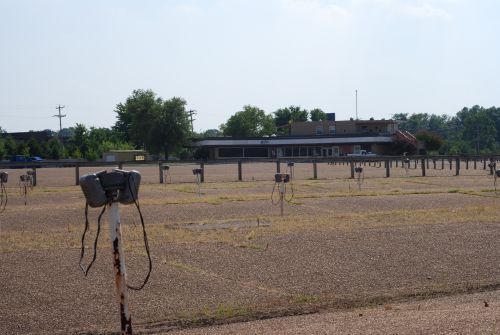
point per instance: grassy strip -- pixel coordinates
(303, 304)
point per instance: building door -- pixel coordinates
(327, 152)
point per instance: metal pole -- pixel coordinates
(457, 166)
(278, 167)
(387, 169)
(202, 176)
(315, 170)
(160, 170)
(115, 234)
(352, 169)
(423, 167)
(282, 196)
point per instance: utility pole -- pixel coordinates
(191, 113)
(60, 122)
(356, 104)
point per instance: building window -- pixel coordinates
(356, 149)
(319, 130)
(256, 152)
(230, 152)
(332, 130)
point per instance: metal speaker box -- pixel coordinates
(197, 171)
(497, 172)
(92, 189)
(358, 169)
(4, 177)
(281, 177)
(130, 193)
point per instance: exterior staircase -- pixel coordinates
(405, 136)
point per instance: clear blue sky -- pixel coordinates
(406, 56)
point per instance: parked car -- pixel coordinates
(24, 159)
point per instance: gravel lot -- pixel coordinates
(228, 256)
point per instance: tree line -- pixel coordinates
(162, 127)
(474, 130)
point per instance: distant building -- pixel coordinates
(312, 139)
(125, 155)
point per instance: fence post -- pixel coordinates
(202, 176)
(77, 174)
(352, 169)
(315, 170)
(240, 174)
(457, 166)
(387, 169)
(34, 176)
(442, 163)
(484, 163)
(451, 163)
(120, 165)
(427, 163)
(475, 163)
(467, 163)
(278, 169)
(423, 167)
(160, 169)
(434, 163)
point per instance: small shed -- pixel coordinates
(125, 155)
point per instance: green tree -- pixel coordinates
(249, 122)
(148, 121)
(54, 149)
(80, 139)
(317, 114)
(10, 146)
(2, 148)
(432, 141)
(284, 116)
(35, 149)
(212, 133)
